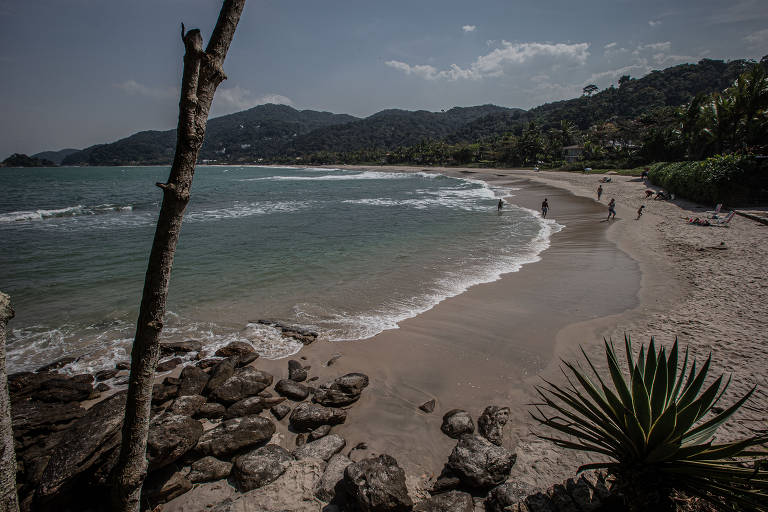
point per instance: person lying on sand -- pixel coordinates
(648, 193)
(699, 222)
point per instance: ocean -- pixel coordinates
(347, 254)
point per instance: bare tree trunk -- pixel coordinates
(202, 74)
(9, 501)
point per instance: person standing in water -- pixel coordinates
(599, 191)
(612, 209)
(501, 205)
(544, 208)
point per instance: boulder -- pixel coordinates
(31, 417)
(259, 467)
(446, 481)
(453, 501)
(193, 381)
(105, 374)
(59, 363)
(235, 349)
(101, 387)
(168, 365)
(291, 389)
(480, 463)
(163, 392)
(180, 347)
(251, 405)
(211, 410)
(342, 391)
(162, 486)
(332, 480)
(323, 448)
(171, 436)
(123, 365)
(456, 423)
(296, 371)
(319, 432)
(187, 405)
(428, 407)
(243, 383)
(206, 364)
(232, 436)
(491, 423)
(209, 469)
(377, 485)
(61, 388)
(280, 411)
(306, 416)
(172, 381)
(506, 495)
(247, 359)
(220, 373)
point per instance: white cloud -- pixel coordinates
(654, 23)
(469, 28)
(610, 45)
(611, 75)
(134, 88)
(758, 39)
(235, 99)
(495, 63)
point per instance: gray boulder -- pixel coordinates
(306, 416)
(456, 423)
(377, 485)
(296, 372)
(323, 448)
(168, 365)
(180, 347)
(480, 463)
(251, 405)
(491, 423)
(453, 501)
(193, 381)
(332, 480)
(211, 410)
(171, 436)
(187, 405)
(164, 485)
(243, 383)
(209, 469)
(319, 432)
(291, 389)
(259, 467)
(344, 390)
(235, 349)
(232, 436)
(219, 374)
(506, 495)
(280, 411)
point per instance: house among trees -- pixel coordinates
(572, 153)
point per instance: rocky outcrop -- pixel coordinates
(453, 501)
(344, 390)
(236, 349)
(292, 390)
(456, 423)
(187, 405)
(331, 482)
(251, 405)
(491, 423)
(51, 387)
(193, 381)
(234, 435)
(306, 417)
(259, 467)
(304, 336)
(377, 485)
(480, 463)
(171, 436)
(180, 347)
(323, 449)
(243, 383)
(209, 469)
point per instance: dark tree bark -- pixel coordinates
(202, 75)
(9, 501)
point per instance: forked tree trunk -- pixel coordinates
(202, 75)
(9, 501)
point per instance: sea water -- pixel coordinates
(347, 254)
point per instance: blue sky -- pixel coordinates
(82, 72)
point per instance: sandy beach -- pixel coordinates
(492, 344)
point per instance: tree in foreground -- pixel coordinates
(201, 76)
(657, 427)
(9, 501)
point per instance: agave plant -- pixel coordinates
(657, 428)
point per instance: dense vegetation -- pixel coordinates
(622, 126)
(20, 160)
(55, 156)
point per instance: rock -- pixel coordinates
(507, 495)
(101, 387)
(187, 405)
(123, 365)
(453, 501)
(312, 379)
(205, 364)
(491, 423)
(208, 469)
(306, 416)
(480, 463)
(247, 359)
(280, 411)
(219, 374)
(211, 410)
(342, 391)
(323, 448)
(172, 381)
(332, 480)
(292, 390)
(296, 371)
(168, 365)
(235, 349)
(59, 363)
(171, 436)
(163, 392)
(428, 406)
(319, 432)
(301, 439)
(87, 444)
(243, 383)
(456, 423)
(265, 394)
(251, 405)
(447, 481)
(180, 347)
(377, 485)
(259, 467)
(333, 360)
(193, 381)
(163, 486)
(234, 435)
(539, 502)
(105, 374)
(31, 417)
(60, 388)
(304, 336)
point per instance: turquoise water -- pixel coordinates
(346, 253)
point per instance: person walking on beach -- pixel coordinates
(640, 211)
(612, 209)
(501, 205)
(544, 208)
(599, 191)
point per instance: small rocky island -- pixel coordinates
(21, 160)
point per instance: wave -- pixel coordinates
(366, 175)
(241, 210)
(68, 211)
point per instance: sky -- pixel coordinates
(82, 72)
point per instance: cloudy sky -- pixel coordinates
(81, 72)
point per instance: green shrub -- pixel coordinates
(657, 428)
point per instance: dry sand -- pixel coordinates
(491, 345)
